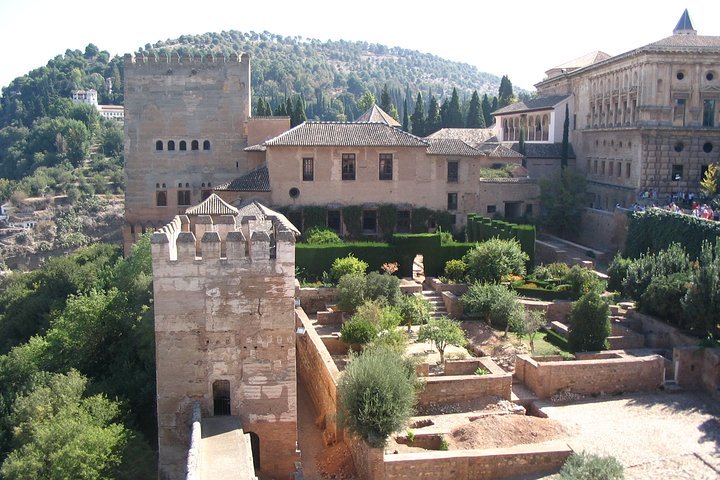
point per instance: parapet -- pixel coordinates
(210, 59)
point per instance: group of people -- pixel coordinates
(698, 210)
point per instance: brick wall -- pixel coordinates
(315, 299)
(603, 230)
(460, 388)
(470, 365)
(475, 464)
(588, 377)
(369, 462)
(698, 369)
(659, 334)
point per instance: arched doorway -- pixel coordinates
(255, 447)
(221, 397)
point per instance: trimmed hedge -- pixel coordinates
(655, 229)
(481, 228)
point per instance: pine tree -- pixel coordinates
(418, 117)
(433, 121)
(475, 117)
(406, 119)
(487, 111)
(565, 152)
(455, 118)
(505, 92)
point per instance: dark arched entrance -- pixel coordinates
(255, 447)
(221, 397)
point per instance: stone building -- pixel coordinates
(224, 292)
(644, 123)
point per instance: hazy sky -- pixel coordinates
(520, 38)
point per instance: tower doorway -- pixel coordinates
(221, 397)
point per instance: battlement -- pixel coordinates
(224, 237)
(209, 59)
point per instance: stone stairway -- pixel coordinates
(435, 299)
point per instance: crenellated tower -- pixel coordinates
(225, 329)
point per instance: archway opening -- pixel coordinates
(221, 397)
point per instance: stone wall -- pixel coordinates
(313, 300)
(460, 388)
(193, 458)
(698, 369)
(319, 374)
(499, 463)
(590, 377)
(604, 230)
(659, 334)
(470, 365)
(369, 462)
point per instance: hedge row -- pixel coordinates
(481, 228)
(655, 229)
(316, 259)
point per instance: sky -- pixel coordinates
(521, 39)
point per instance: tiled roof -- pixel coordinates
(539, 103)
(498, 150)
(261, 212)
(472, 136)
(684, 42)
(377, 115)
(255, 148)
(578, 63)
(256, 180)
(345, 134)
(213, 205)
(451, 146)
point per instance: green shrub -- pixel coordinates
(443, 332)
(314, 217)
(351, 218)
(455, 270)
(495, 304)
(414, 309)
(664, 295)
(322, 236)
(586, 466)
(701, 304)
(582, 281)
(493, 259)
(640, 273)
(347, 266)
(482, 371)
(617, 271)
(382, 286)
(351, 292)
(358, 331)
(376, 392)
(589, 324)
(444, 445)
(551, 271)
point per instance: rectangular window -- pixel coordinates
(333, 221)
(708, 113)
(452, 172)
(452, 201)
(703, 171)
(627, 170)
(679, 112)
(529, 209)
(602, 168)
(161, 198)
(348, 166)
(611, 170)
(183, 197)
(618, 169)
(491, 209)
(369, 221)
(677, 173)
(308, 171)
(595, 166)
(386, 166)
(402, 224)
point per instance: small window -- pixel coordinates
(308, 172)
(708, 113)
(348, 166)
(161, 198)
(369, 221)
(709, 76)
(679, 147)
(529, 209)
(452, 201)
(679, 112)
(491, 209)
(334, 220)
(627, 170)
(183, 197)
(680, 75)
(294, 192)
(677, 173)
(206, 145)
(194, 145)
(402, 223)
(183, 145)
(707, 147)
(159, 145)
(452, 172)
(171, 145)
(386, 166)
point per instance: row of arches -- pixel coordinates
(606, 84)
(538, 128)
(182, 145)
(621, 112)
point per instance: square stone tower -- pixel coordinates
(225, 329)
(186, 127)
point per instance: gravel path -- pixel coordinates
(655, 435)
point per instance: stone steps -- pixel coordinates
(435, 299)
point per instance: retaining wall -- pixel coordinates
(698, 369)
(659, 334)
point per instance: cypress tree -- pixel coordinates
(406, 119)
(494, 104)
(444, 114)
(565, 152)
(475, 118)
(281, 109)
(521, 146)
(289, 108)
(385, 101)
(487, 110)
(298, 114)
(418, 117)
(433, 121)
(455, 118)
(505, 92)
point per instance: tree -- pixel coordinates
(434, 121)
(298, 114)
(565, 153)
(443, 332)
(491, 260)
(589, 323)
(531, 324)
(366, 102)
(406, 118)
(475, 117)
(376, 393)
(454, 115)
(562, 200)
(702, 300)
(487, 110)
(493, 303)
(385, 101)
(521, 145)
(709, 182)
(505, 92)
(415, 310)
(418, 118)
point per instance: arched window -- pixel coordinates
(171, 145)
(545, 128)
(194, 145)
(206, 145)
(161, 198)
(183, 145)
(159, 145)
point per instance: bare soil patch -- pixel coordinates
(336, 462)
(497, 431)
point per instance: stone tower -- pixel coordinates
(186, 125)
(225, 329)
